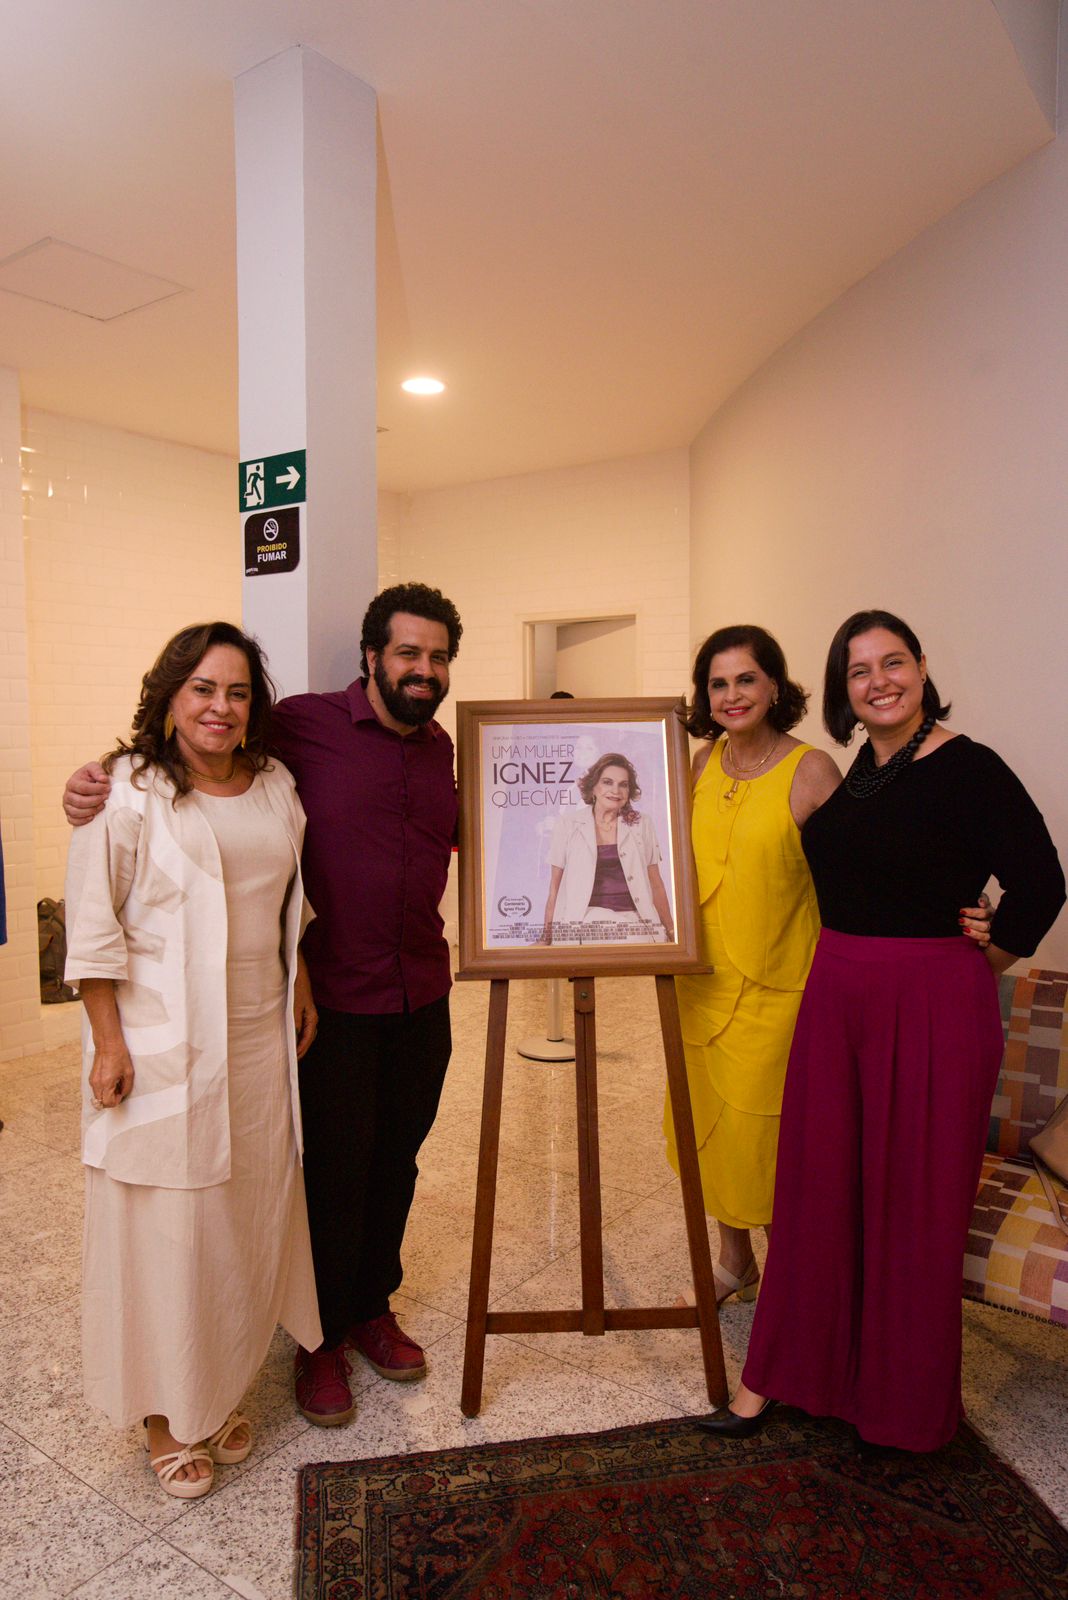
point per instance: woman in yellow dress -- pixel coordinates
(753, 789)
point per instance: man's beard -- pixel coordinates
(400, 705)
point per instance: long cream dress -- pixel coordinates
(183, 1288)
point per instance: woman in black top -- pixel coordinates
(895, 1056)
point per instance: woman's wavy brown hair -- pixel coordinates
(588, 782)
(150, 745)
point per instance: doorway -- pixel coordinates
(589, 657)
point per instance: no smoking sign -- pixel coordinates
(272, 541)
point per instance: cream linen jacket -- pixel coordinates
(574, 848)
(146, 907)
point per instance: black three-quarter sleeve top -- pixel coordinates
(901, 863)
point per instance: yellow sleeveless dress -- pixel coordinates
(759, 925)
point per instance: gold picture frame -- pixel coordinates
(523, 814)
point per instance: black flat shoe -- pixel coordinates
(865, 1450)
(729, 1425)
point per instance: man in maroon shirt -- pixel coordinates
(374, 773)
(375, 776)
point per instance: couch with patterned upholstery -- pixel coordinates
(1017, 1256)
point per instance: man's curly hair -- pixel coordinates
(419, 600)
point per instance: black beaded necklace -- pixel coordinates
(864, 778)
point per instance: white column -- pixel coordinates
(305, 142)
(20, 990)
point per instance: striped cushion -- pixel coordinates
(1016, 1255)
(1034, 1072)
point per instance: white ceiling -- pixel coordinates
(596, 218)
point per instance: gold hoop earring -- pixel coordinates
(168, 726)
(244, 740)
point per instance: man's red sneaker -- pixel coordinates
(388, 1349)
(322, 1381)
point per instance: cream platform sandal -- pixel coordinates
(171, 1462)
(221, 1452)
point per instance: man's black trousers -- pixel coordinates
(369, 1092)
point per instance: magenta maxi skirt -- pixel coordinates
(884, 1119)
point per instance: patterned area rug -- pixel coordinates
(665, 1510)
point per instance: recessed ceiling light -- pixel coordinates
(423, 386)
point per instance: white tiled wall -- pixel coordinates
(391, 512)
(127, 540)
(20, 1020)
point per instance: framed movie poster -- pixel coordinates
(574, 839)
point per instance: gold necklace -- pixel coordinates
(195, 772)
(741, 771)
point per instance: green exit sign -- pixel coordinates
(272, 481)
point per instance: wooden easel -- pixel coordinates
(593, 1317)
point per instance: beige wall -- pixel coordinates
(603, 540)
(907, 450)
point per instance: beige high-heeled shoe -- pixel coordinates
(744, 1287)
(165, 1467)
(224, 1454)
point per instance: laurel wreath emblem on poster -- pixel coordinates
(516, 905)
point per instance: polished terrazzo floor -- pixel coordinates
(80, 1514)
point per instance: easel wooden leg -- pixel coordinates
(692, 1200)
(589, 1155)
(485, 1199)
(593, 1318)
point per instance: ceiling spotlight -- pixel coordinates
(423, 386)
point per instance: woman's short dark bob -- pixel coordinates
(839, 718)
(152, 744)
(790, 701)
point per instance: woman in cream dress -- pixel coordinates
(185, 910)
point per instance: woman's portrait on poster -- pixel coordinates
(605, 882)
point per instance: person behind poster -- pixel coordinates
(605, 881)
